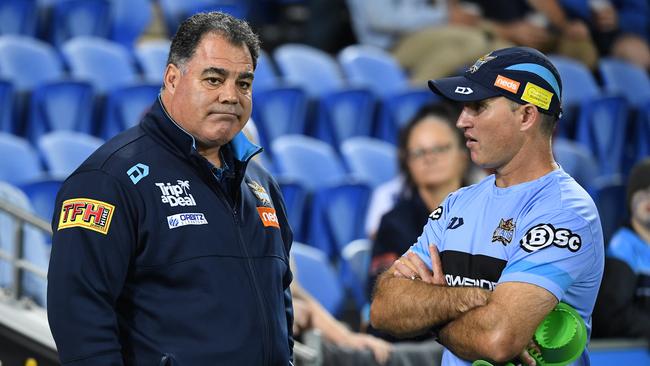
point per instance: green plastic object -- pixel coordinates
(561, 338)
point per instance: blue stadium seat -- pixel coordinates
(129, 19)
(354, 269)
(125, 107)
(311, 162)
(609, 196)
(315, 274)
(370, 160)
(310, 68)
(296, 199)
(79, 18)
(18, 17)
(152, 57)
(64, 151)
(577, 161)
(7, 123)
(28, 62)
(345, 114)
(105, 64)
(278, 112)
(625, 79)
(375, 69)
(578, 86)
(42, 196)
(641, 136)
(265, 74)
(20, 163)
(35, 249)
(174, 11)
(602, 126)
(337, 216)
(60, 105)
(342, 111)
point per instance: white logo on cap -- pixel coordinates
(463, 90)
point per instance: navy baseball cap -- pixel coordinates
(521, 74)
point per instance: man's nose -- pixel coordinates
(228, 93)
(464, 120)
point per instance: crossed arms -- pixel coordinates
(474, 323)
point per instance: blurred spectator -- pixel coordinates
(382, 200)
(328, 26)
(620, 28)
(310, 314)
(434, 162)
(343, 347)
(429, 38)
(623, 305)
(540, 24)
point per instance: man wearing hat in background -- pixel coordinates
(623, 306)
(496, 257)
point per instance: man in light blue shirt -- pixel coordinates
(496, 257)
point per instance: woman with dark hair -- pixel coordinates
(434, 162)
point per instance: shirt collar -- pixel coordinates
(160, 124)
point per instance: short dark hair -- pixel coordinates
(192, 30)
(448, 113)
(638, 180)
(547, 122)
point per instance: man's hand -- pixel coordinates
(525, 356)
(301, 316)
(379, 348)
(411, 266)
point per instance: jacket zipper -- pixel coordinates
(260, 302)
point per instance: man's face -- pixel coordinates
(491, 132)
(640, 207)
(210, 96)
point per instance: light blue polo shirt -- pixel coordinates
(545, 232)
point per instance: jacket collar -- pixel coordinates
(162, 126)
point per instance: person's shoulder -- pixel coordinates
(627, 246)
(119, 154)
(472, 191)
(558, 191)
(255, 170)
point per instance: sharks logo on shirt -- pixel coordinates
(504, 232)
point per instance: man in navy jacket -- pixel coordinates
(170, 245)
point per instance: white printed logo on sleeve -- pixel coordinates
(183, 219)
(544, 235)
(435, 215)
(176, 194)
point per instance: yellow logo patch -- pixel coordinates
(537, 95)
(86, 213)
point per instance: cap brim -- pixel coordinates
(461, 89)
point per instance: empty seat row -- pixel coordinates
(56, 154)
(56, 21)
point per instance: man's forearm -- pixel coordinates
(472, 335)
(501, 329)
(405, 307)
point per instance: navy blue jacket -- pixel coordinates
(153, 263)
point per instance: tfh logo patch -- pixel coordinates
(87, 214)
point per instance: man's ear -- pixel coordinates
(529, 116)
(171, 78)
